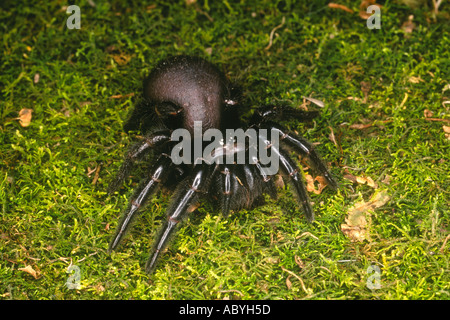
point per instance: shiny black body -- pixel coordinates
(178, 92)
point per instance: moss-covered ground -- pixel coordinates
(384, 130)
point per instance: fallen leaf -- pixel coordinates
(366, 180)
(413, 79)
(311, 186)
(288, 283)
(121, 58)
(36, 78)
(358, 220)
(355, 234)
(361, 180)
(30, 270)
(447, 131)
(25, 117)
(317, 102)
(428, 113)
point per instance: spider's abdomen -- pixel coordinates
(194, 86)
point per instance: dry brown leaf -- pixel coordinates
(366, 180)
(333, 5)
(311, 186)
(360, 126)
(447, 131)
(358, 218)
(350, 177)
(355, 234)
(288, 283)
(30, 270)
(121, 59)
(25, 117)
(317, 102)
(427, 113)
(413, 79)
(361, 180)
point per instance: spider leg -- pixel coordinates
(281, 112)
(181, 204)
(227, 187)
(290, 168)
(158, 173)
(268, 186)
(136, 152)
(305, 148)
(258, 183)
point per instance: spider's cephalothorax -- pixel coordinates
(189, 95)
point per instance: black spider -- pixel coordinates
(184, 92)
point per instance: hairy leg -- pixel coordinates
(289, 167)
(305, 148)
(136, 152)
(158, 173)
(182, 203)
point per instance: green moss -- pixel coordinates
(53, 214)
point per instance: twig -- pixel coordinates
(441, 250)
(121, 96)
(438, 119)
(273, 32)
(299, 279)
(97, 171)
